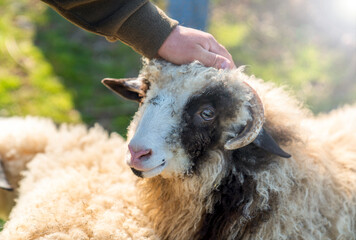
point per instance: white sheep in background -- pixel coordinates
(203, 144)
(75, 187)
(20, 140)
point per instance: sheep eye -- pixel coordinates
(208, 113)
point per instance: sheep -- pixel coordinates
(72, 187)
(218, 155)
(206, 144)
(18, 146)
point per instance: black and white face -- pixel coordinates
(185, 115)
(173, 134)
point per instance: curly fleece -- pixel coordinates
(77, 186)
(311, 195)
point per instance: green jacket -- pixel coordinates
(138, 23)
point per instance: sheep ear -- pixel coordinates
(267, 143)
(129, 88)
(4, 184)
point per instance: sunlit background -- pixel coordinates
(49, 67)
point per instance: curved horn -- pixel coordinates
(253, 127)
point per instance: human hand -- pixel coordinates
(184, 45)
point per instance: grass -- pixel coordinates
(81, 60)
(282, 44)
(2, 223)
(28, 84)
(50, 68)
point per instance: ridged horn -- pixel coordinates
(253, 127)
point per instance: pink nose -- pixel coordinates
(138, 154)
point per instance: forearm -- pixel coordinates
(137, 23)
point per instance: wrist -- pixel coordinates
(147, 29)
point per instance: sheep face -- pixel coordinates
(172, 134)
(186, 114)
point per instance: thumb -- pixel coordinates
(210, 59)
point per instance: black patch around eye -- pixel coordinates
(197, 135)
(238, 187)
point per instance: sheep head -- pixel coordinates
(185, 113)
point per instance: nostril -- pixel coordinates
(137, 154)
(143, 153)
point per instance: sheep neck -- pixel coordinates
(175, 201)
(204, 207)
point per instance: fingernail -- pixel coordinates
(225, 65)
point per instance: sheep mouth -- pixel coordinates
(149, 172)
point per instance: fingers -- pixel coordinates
(219, 49)
(185, 45)
(210, 59)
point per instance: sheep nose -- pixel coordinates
(138, 154)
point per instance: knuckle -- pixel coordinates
(224, 49)
(216, 62)
(210, 37)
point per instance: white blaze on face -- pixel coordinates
(156, 131)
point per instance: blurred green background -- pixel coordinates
(49, 67)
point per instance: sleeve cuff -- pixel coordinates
(145, 30)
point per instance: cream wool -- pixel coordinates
(309, 196)
(20, 140)
(78, 187)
